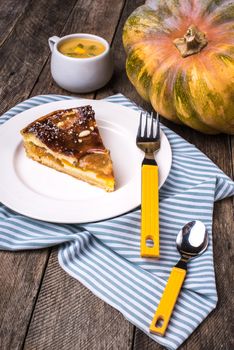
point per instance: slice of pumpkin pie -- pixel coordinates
(69, 141)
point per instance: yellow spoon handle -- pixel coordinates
(163, 313)
(149, 210)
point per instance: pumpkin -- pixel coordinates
(180, 57)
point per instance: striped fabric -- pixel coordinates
(105, 256)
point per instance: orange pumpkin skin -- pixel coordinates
(197, 90)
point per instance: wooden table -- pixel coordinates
(42, 307)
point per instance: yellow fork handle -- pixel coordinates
(149, 210)
(163, 313)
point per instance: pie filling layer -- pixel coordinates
(41, 155)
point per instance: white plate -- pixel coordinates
(37, 191)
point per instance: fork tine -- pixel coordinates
(151, 135)
(157, 127)
(140, 127)
(146, 125)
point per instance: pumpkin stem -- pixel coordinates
(192, 42)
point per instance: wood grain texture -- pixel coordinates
(25, 52)
(21, 56)
(120, 82)
(231, 142)
(20, 275)
(10, 12)
(69, 316)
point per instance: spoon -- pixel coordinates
(192, 240)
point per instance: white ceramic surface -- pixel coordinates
(43, 193)
(80, 74)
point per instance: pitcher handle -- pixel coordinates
(52, 41)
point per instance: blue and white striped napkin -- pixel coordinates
(104, 256)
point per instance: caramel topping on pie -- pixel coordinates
(72, 132)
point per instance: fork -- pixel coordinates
(149, 142)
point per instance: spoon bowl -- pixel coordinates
(192, 240)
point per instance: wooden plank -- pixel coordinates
(99, 20)
(20, 275)
(24, 54)
(69, 316)
(142, 341)
(10, 13)
(231, 142)
(120, 82)
(21, 59)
